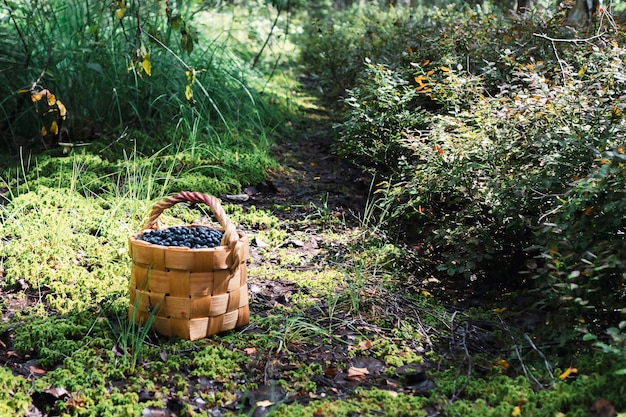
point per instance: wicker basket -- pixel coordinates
(191, 293)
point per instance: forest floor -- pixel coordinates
(343, 322)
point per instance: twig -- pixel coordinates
(452, 330)
(467, 354)
(545, 360)
(553, 42)
(267, 40)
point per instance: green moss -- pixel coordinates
(217, 362)
(497, 395)
(365, 402)
(299, 379)
(68, 248)
(51, 339)
(208, 185)
(14, 398)
(253, 217)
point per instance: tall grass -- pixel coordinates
(130, 85)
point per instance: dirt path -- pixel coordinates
(311, 175)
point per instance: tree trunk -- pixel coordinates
(583, 11)
(523, 6)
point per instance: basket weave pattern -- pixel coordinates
(193, 293)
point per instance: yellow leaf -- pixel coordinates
(424, 292)
(429, 73)
(444, 69)
(615, 44)
(119, 13)
(54, 128)
(499, 310)
(517, 411)
(502, 363)
(51, 98)
(145, 64)
(567, 373)
(188, 93)
(44, 132)
(426, 63)
(191, 76)
(62, 110)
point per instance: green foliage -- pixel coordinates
(615, 345)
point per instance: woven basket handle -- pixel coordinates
(230, 238)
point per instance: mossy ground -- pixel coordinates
(342, 324)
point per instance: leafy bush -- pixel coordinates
(502, 158)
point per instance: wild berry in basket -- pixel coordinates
(199, 237)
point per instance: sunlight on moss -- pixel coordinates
(65, 247)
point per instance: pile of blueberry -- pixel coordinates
(199, 237)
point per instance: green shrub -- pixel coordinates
(502, 159)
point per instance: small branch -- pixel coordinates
(19, 32)
(546, 37)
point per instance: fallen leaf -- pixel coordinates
(363, 345)
(264, 403)
(154, 412)
(391, 383)
(357, 374)
(57, 392)
(250, 351)
(499, 310)
(37, 371)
